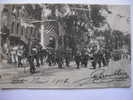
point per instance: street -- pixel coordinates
(68, 77)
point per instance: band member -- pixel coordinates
(82, 56)
(9, 56)
(53, 57)
(31, 63)
(107, 56)
(100, 57)
(43, 53)
(67, 57)
(40, 54)
(94, 58)
(49, 59)
(30, 57)
(59, 58)
(35, 54)
(20, 55)
(85, 59)
(14, 54)
(77, 59)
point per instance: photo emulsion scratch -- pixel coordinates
(65, 46)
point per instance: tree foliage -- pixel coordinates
(96, 16)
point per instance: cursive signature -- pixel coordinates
(99, 76)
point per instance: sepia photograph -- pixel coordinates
(65, 46)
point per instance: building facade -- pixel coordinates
(19, 22)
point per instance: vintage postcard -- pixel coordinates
(65, 46)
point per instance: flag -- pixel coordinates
(50, 30)
(50, 27)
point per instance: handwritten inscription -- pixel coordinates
(17, 81)
(38, 80)
(96, 77)
(99, 76)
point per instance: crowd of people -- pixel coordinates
(36, 56)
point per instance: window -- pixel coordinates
(17, 30)
(22, 30)
(12, 28)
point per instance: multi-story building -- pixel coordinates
(66, 25)
(18, 19)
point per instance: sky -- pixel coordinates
(119, 19)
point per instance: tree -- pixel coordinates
(96, 16)
(117, 39)
(127, 41)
